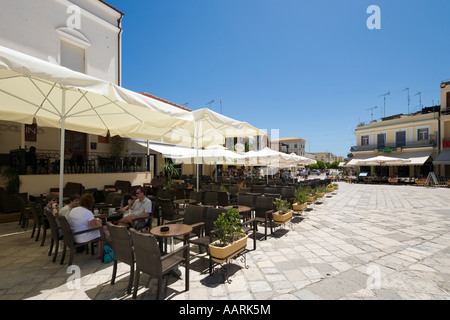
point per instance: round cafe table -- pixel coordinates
(175, 230)
(183, 202)
(245, 211)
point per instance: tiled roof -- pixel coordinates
(165, 101)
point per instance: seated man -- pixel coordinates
(141, 207)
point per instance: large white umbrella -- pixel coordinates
(205, 128)
(53, 96)
(383, 160)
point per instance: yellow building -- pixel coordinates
(443, 160)
(412, 137)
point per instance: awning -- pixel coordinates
(443, 158)
(168, 151)
(415, 159)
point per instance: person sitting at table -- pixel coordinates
(81, 218)
(141, 207)
(74, 201)
(52, 204)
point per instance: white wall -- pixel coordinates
(32, 28)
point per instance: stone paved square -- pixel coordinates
(362, 242)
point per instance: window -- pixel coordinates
(364, 140)
(422, 134)
(381, 140)
(400, 138)
(72, 57)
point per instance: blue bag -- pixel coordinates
(108, 254)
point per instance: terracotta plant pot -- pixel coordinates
(299, 207)
(329, 190)
(320, 194)
(310, 199)
(223, 254)
(336, 187)
(279, 218)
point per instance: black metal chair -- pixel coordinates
(149, 261)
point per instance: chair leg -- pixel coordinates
(44, 235)
(113, 278)
(71, 256)
(63, 255)
(130, 282)
(51, 247)
(56, 251)
(136, 283)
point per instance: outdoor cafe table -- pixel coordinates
(243, 210)
(175, 230)
(185, 202)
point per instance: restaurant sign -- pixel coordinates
(388, 150)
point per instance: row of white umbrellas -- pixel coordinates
(34, 90)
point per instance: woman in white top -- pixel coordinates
(81, 218)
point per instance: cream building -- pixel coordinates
(289, 145)
(442, 162)
(413, 137)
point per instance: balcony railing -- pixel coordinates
(408, 145)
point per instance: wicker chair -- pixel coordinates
(211, 198)
(149, 261)
(195, 217)
(263, 212)
(56, 234)
(69, 241)
(122, 247)
(168, 212)
(39, 222)
(203, 242)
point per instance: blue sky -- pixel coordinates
(310, 69)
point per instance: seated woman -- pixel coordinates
(81, 218)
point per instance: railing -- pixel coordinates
(48, 161)
(408, 145)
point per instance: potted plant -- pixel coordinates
(169, 171)
(421, 181)
(310, 195)
(300, 197)
(283, 213)
(335, 186)
(392, 180)
(12, 180)
(231, 239)
(320, 191)
(330, 188)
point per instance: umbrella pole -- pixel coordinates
(61, 150)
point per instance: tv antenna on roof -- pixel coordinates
(408, 97)
(420, 98)
(210, 103)
(384, 95)
(371, 111)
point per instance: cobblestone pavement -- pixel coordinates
(363, 242)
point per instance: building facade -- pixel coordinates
(443, 160)
(289, 145)
(83, 35)
(412, 137)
